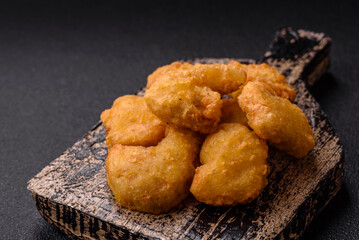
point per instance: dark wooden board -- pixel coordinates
(72, 193)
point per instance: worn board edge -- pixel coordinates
(316, 202)
(94, 228)
(291, 231)
(91, 227)
(318, 199)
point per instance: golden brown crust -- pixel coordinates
(189, 95)
(221, 78)
(184, 104)
(153, 179)
(232, 113)
(267, 74)
(130, 122)
(182, 96)
(167, 70)
(234, 167)
(276, 119)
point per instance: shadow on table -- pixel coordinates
(323, 87)
(46, 231)
(327, 216)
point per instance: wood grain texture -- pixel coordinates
(72, 193)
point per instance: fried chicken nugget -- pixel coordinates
(221, 78)
(276, 119)
(267, 74)
(189, 95)
(234, 167)
(130, 122)
(172, 68)
(232, 113)
(153, 179)
(184, 104)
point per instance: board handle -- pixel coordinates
(299, 54)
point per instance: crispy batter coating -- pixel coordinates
(153, 179)
(221, 78)
(130, 122)
(153, 149)
(184, 104)
(172, 68)
(276, 119)
(232, 113)
(234, 167)
(189, 95)
(267, 74)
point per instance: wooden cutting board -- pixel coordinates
(72, 193)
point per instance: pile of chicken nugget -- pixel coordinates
(201, 129)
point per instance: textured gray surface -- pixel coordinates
(62, 64)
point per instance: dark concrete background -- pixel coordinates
(61, 64)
